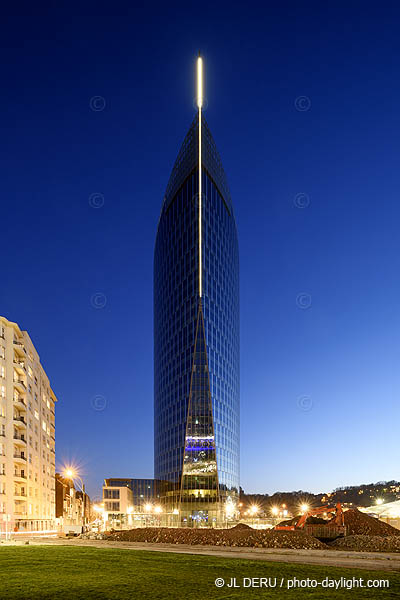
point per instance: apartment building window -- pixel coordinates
(2, 487)
(2, 352)
(112, 506)
(2, 430)
(2, 333)
(36, 415)
(30, 372)
(2, 468)
(2, 410)
(2, 449)
(2, 372)
(111, 494)
(2, 391)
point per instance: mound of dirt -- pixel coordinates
(359, 523)
(240, 526)
(368, 543)
(254, 538)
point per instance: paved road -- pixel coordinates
(335, 558)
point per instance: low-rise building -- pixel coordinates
(73, 507)
(117, 504)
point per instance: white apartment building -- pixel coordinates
(27, 435)
(118, 505)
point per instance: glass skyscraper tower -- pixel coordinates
(196, 335)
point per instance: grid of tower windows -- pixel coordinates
(175, 317)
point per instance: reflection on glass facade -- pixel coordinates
(196, 340)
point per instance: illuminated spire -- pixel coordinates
(199, 82)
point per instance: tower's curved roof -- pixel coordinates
(187, 161)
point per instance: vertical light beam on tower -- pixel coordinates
(199, 82)
(199, 106)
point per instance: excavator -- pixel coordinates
(332, 528)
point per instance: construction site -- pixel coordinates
(318, 528)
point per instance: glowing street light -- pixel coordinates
(72, 474)
(254, 509)
(148, 507)
(158, 509)
(304, 508)
(275, 510)
(379, 501)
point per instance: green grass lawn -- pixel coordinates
(45, 572)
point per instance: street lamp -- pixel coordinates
(254, 510)
(71, 474)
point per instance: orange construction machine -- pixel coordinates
(331, 528)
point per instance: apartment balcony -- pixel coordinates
(19, 477)
(20, 385)
(19, 365)
(19, 346)
(19, 422)
(19, 458)
(20, 403)
(20, 514)
(19, 495)
(19, 439)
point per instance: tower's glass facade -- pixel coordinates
(196, 340)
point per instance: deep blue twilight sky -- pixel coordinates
(341, 251)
